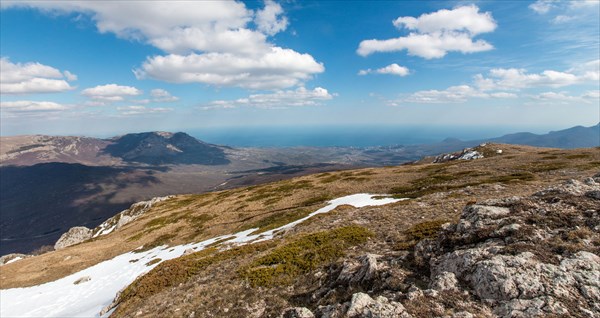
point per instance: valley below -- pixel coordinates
(51, 183)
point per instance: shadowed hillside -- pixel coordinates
(41, 202)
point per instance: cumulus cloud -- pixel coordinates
(516, 79)
(269, 20)
(142, 110)
(110, 92)
(31, 106)
(33, 77)
(279, 99)
(502, 83)
(278, 68)
(225, 43)
(392, 69)
(435, 34)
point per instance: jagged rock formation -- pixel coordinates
(535, 256)
(74, 235)
(78, 234)
(126, 216)
(531, 256)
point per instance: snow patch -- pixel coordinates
(63, 298)
(13, 260)
(173, 148)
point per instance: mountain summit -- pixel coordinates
(165, 148)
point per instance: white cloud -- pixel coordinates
(461, 19)
(169, 25)
(565, 98)
(70, 76)
(542, 6)
(453, 94)
(269, 19)
(110, 92)
(589, 71)
(31, 78)
(583, 4)
(566, 11)
(160, 95)
(279, 68)
(279, 99)
(503, 95)
(142, 110)
(31, 106)
(592, 94)
(563, 19)
(392, 69)
(216, 38)
(516, 79)
(435, 34)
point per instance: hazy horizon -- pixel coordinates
(334, 135)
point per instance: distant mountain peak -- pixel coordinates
(161, 147)
(165, 134)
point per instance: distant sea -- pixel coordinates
(343, 136)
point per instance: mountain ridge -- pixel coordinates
(137, 172)
(375, 269)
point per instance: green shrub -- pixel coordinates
(153, 261)
(419, 232)
(302, 255)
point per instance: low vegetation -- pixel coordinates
(302, 255)
(420, 231)
(176, 271)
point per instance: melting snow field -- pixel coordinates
(63, 298)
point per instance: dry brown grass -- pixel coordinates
(443, 191)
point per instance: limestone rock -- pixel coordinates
(444, 281)
(10, 258)
(124, 217)
(362, 305)
(75, 235)
(528, 279)
(297, 312)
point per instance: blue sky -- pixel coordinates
(103, 68)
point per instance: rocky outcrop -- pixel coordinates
(126, 216)
(11, 258)
(533, 256)
(75, 235)
(362, 305)
(465, 154)
(78, 234)
(524, 257)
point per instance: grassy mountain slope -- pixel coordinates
(267, 277)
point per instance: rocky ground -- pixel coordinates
(534, 256)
